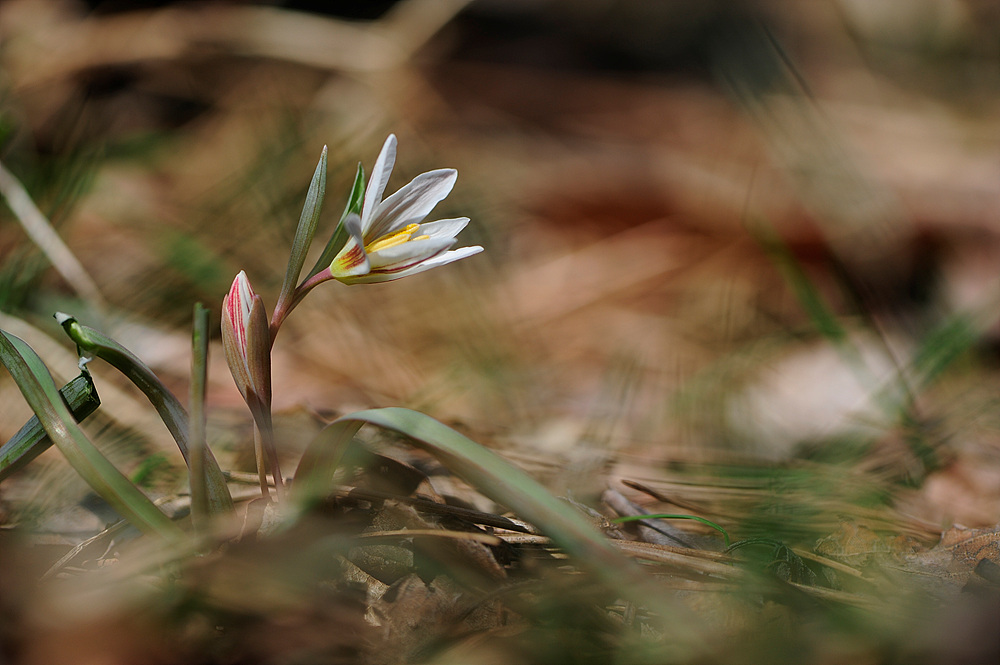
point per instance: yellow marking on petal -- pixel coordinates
(392, 239)
(347, 260)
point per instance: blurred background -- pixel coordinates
(719, 235)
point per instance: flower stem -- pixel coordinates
(282, 311)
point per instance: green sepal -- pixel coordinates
(258, 395)
(340, 235)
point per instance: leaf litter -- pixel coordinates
(598, 380)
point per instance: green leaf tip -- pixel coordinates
(304, 234)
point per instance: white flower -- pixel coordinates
(390, 239)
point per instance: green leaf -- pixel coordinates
(812, 301)
(199, 480)
(942, 346)
(80, 395)
(671, 516)
(496, 478)
(807, 294)
(39, 390)
(487, 472)
(304, 233)
(167, 405)
(339, 238)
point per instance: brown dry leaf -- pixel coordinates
(970, 546)
(858, 545)
(414, 614)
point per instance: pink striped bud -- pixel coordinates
(246, 341)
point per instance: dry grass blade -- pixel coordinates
(100, 540)
(682, 559)
(45, 237)
(483, 538)
(268, 32)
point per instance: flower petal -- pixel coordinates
(411, 203)
(439, 260)
(408, 253)
(443, 228)
(236, 306)
(378, 180)
(235, 350)
(352, 259)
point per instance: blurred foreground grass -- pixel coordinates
(745, 261)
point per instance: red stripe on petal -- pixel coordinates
(348, 262)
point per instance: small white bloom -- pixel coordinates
(390, 239)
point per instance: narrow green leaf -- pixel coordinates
(304, 233)
(39, 390)
(671, 516)
(823, 317)
(502, 482)
(339, 238)
(80, 395)
(495, 477)
(166, 403)
(942, 346)
(200, 509)
(808, 296)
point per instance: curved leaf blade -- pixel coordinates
(39, 390)
(80, 395)
(504, 483)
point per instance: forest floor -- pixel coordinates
(740, 266)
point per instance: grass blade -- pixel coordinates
(39, 390)
(80, 395)
(41, 232)
(671, 516)
(819, 312)
(489, 473)
(199, 480)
